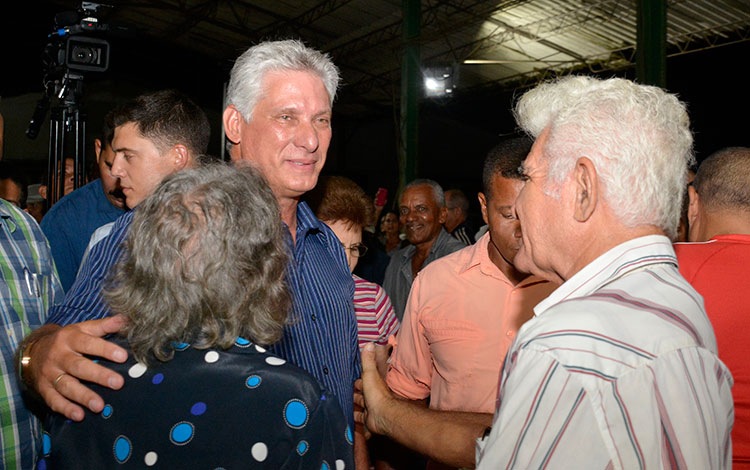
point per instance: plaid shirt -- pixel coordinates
(29, 285)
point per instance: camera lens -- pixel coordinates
(84, 55)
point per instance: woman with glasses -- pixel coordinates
(342, 205)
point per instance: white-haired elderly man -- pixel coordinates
(278, 118)
(618, 368)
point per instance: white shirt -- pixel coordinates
(618, 369)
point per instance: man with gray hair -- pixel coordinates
(422, 213)
(717, 265)
(618, 368)
(203, 286)
(278, 118)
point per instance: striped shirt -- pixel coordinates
(29, 285)
(376, 320)
(323, 341)
(617, 370)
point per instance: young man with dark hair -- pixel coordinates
(72, 220)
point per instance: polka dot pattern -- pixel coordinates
(253, 381)
(122, 449)
(217, 396)
(198, 409)
(295, 414)
(275, 361)
(302, 447)
(46, 444)
(242, 343)
(137, 370)
(211, 357)
(259, 451)
(150, 459)
(181, 433)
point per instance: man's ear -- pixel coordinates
(97, 149)
(694, 205)
(442, 215)
(695, 217)
(483, 205)
(232, 124)
(181, 156)
(586, 186)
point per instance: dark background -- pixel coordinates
(455, 133)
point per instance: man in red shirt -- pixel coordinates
(717, 265)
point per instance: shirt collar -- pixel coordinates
(7, 216)
(479, 257)
(306, 220)
(441, 239)
(624, 258)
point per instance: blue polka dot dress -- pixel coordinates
(206, 409)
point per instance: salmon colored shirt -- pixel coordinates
(461, 317)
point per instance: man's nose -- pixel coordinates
(517, 228)
(307, 137)
(117, 170)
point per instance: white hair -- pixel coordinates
(246, 79)
(637, 136)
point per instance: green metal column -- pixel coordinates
(651, 47)
(410, 90)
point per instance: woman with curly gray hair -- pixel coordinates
(202, 286)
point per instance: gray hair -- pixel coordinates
(637, 136)
(246, 80)
(455, 198)
(437, 190)
(723, 179)
(204, 263)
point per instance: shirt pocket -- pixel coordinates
(454, 345)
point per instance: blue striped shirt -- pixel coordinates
(29, 285)
(323, 340)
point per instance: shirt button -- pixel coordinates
(313, 317)
(325, 370)
(510, 333)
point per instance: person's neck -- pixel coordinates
(597, 243)
(423, 249)
(288, 207)
(726, 222)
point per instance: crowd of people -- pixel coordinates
(183, 311)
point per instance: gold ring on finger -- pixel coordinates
(54, 384)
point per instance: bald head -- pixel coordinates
(720, 195)
(723, 179)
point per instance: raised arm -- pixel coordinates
(444, 436)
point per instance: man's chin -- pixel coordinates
(523, 262)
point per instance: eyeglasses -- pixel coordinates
(357, 250)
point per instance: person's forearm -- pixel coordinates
(444, 436)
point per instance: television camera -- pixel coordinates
(74, 47)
